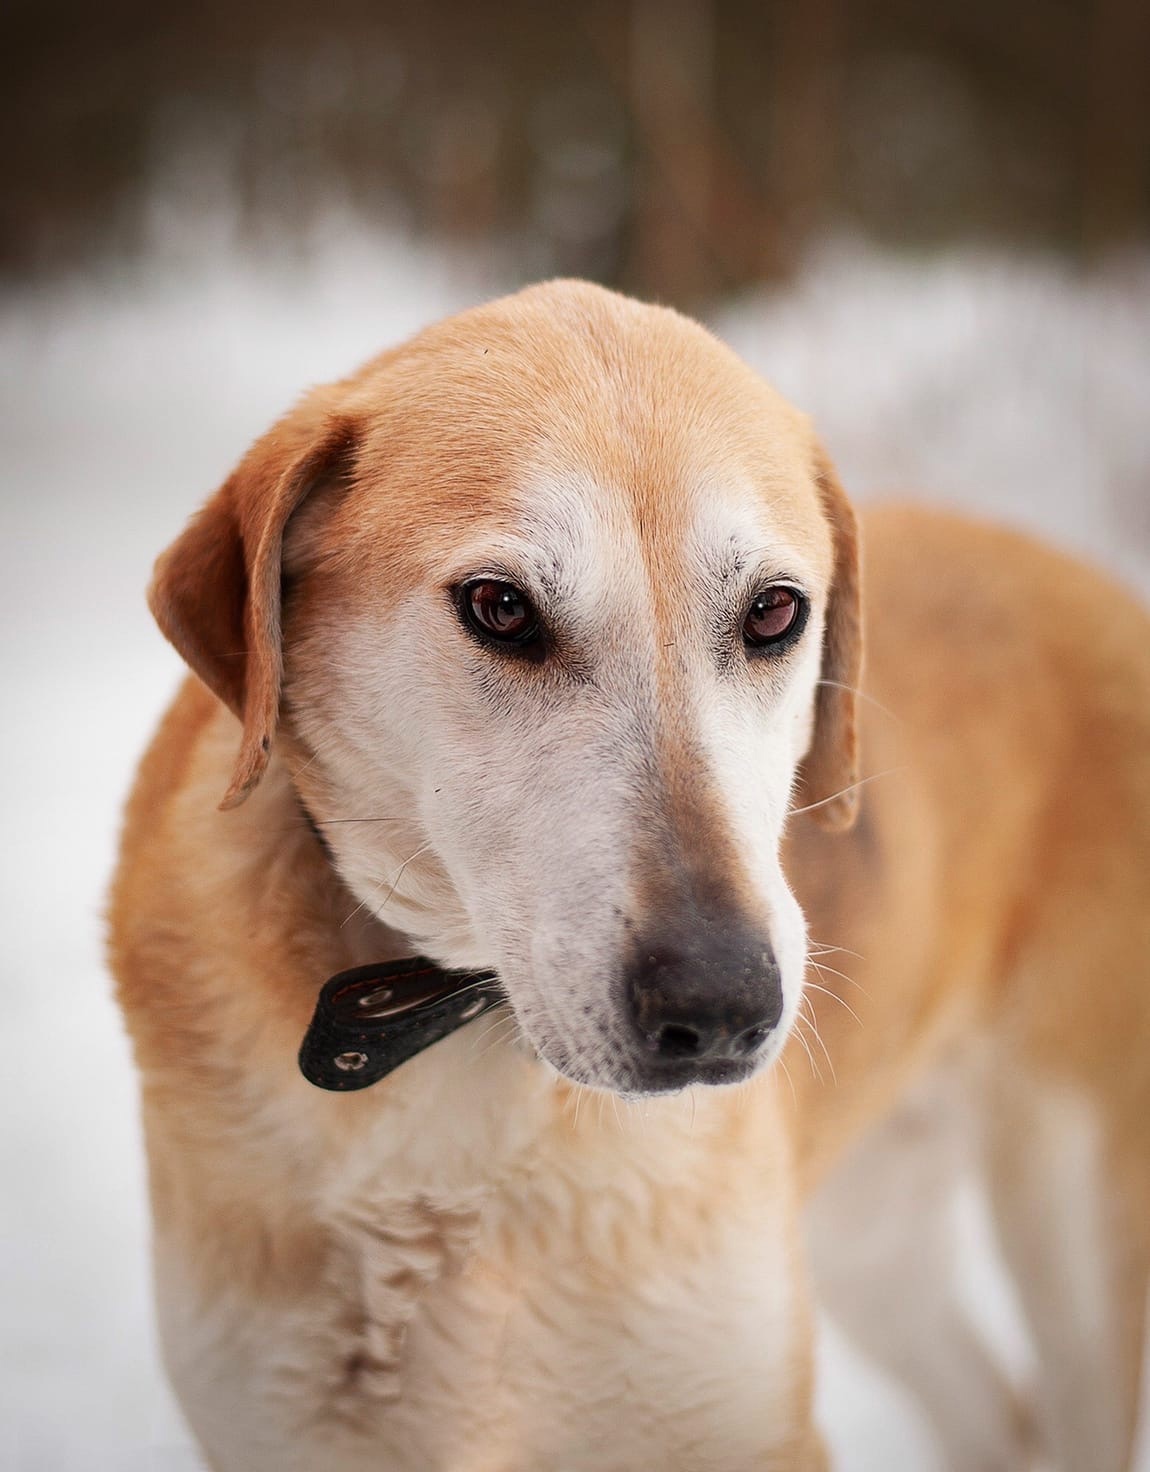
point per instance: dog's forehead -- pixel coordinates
(581, 529)
(567, 413)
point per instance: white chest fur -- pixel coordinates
(519, 1283)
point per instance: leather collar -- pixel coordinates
(370, 1019)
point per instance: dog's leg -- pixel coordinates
(881, 1232)
(1070, 1203)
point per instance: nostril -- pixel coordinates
(674, 1040)
(753, 1038)
(716, 1001)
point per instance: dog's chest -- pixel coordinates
(597, 1299)
(547, 1323)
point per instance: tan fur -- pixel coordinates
(992, 897)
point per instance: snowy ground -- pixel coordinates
(1006, 385)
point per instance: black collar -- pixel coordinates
(371, 1019)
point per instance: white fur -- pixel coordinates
(503, 1288)
(512, 808)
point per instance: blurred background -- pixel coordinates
(675, 147)
(928, 224)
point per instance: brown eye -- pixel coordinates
(774, 616)
(499, 611)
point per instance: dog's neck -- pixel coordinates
(463, 1119)
(370, 1020)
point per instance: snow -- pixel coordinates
(1006, 384)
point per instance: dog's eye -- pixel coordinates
(499, 611)
(775, 615)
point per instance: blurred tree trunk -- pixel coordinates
(671, 74)
(1116, 177)
(805, 78)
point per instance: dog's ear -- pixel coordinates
(216, 591)
(830, 770)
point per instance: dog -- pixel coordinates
(559, 830)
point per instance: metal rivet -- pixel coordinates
(373, 999)
(473, 1009)
(350, 1062)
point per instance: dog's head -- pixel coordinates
(557, 608)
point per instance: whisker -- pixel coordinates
(311, 761)
(363, 904)
(491, 1024)
(317, 751)
(862, 782)
(825, 949)
(502, 1030)
(471, 985)
(862, 695)
(492, 1044)
(818, 1039)
(815, 1073)
(422, 849)
(814, 986)
(822, 948)
(823, 967)
(789, 1079)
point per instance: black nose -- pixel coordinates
(715, 997)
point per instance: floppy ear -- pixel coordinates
(215, 592)
(830, 770)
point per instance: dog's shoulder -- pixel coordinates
(220, 924)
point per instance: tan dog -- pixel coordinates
(543, 631)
